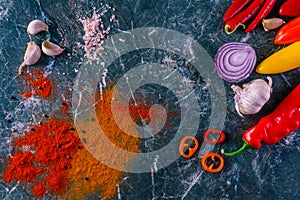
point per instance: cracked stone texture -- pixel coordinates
(269, 173)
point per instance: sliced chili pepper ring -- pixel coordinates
(212, 162)
(214, 136)
(188, 146)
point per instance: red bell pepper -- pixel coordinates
(289, 33)
(290, 8)
(270, 129)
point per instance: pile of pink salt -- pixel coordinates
(95, 33)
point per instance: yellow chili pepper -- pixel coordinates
(283, 60)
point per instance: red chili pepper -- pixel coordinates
(290, 8)
(265, 10)
(242, 17)
(214, 136)
(289, 33)
(234, 8)
(270, 129)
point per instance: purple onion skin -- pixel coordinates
(235, 61)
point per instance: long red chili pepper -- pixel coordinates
(290, 8)
(234, 8)
(242, 17)
(265, 10)
(289, 33)
(270, 129)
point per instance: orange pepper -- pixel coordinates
(188, 146)
(212, 162)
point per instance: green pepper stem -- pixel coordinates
(228, 29)
(242, 149)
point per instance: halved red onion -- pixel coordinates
(235, 61)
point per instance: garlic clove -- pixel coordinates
(236, 105)
(32, 55)
(51, 49)
(237, 90)
(272, 23)
(36, 26)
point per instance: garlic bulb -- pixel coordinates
(36, 26)
(32, 55)
(51, 49)
(252, 97)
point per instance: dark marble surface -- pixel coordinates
(269, 173)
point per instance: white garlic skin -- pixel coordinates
(252, 97)
(51, 49)
(36, 26)
(32, 55)
(272, 23)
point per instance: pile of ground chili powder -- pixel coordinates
(43, 157)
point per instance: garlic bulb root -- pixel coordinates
(21, 68)
(252, 97)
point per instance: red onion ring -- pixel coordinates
(235, 61)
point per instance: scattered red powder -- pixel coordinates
(52, 145)
(139, 112)
(36, 85)
(143, 112)
(64, 108)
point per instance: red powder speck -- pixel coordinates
(64, 108)
(36, 84)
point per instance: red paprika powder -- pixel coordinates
(43, 157)
(36, 84)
